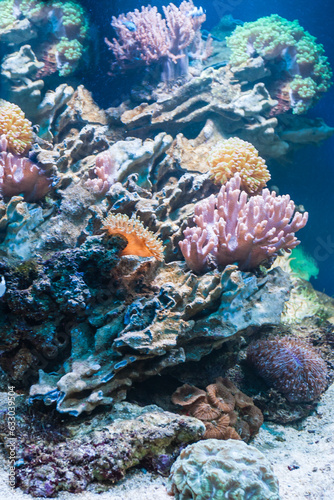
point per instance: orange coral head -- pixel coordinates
(141, 241)
(15, 127)
(237, 156)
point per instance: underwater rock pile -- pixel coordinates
(138, 241)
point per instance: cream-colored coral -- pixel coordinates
(141, 241)
(218, 469)
(233, 156)
(15, 127)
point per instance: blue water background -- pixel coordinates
(309, 177)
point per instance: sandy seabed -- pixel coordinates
(302, 457)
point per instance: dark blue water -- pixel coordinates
(309, 179)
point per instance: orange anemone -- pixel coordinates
(141, 241)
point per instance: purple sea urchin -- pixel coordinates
(290, 365)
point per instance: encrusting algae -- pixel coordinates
(141, 241)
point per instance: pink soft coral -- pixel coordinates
(230, 228)
(21, 176)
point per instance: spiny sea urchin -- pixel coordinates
(290, 365)
(141, 241)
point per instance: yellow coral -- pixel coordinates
(141, 241)
(15, 127)
(237, 156)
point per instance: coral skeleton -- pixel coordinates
(231, 229)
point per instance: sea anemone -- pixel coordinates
(15, 127)
(141, 241)
(290, 365)
(237, 156)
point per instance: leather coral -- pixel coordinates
(232, 229)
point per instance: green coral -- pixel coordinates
(71, 52)
(66, 24)
(7, 16)
(274, 38)
(32, 8)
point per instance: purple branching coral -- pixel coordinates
(104, 174)
(230, 228)
(144, 37)
(290, 365)
(20, 175)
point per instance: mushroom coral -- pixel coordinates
(226, 412)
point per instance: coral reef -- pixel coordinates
(56, 30)
(144, 37)
(291, 365)
(231, 229)
(165, 323)
(212, 468)
(285, 44)
(16, 128)
(136, 244)
(226, 412)
(140, 241)
(215, 95)
(237, 156)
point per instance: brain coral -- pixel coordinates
(237, 156)
(290, 365)
(214, 470)
(141, 241)
(15, 127)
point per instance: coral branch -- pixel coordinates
(232, 229)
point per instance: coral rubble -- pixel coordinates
(69, 459)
